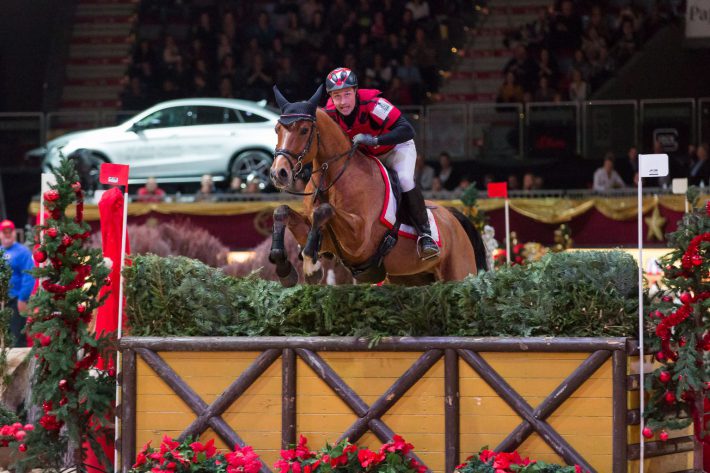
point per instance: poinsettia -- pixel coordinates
(488, 461)
(192, 456)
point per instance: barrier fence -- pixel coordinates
(476, 131)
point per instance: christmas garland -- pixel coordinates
(680, 332)
(76, 399)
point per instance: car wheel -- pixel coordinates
(252, 164)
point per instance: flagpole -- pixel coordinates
(507, 231)
(118, 426)
(640, 317)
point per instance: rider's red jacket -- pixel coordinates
(375, 116)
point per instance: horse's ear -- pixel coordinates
(280, 99)
(315, 100)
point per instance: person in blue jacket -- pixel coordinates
(21, 282)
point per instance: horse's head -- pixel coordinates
(296, 145)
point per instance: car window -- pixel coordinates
(250, 117)
(166, 118)
(206, 115)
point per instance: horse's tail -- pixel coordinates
(479, 249)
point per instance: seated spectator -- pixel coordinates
(423, 173)
(630, 166)
(606, 178)
(448, 179)
(524, 69)
(436, 185)
(544, 93)
(464, 183)
(398, 93)
(134, 97)
(253, 186)
(150, 192)
(510, 91)
(513, 182)
(207, 192)
(236, 185)
(579, 62)
(419, 8)
(528, 181)
(578, 89)
(700, 168)
(547, 67)
(627, 44)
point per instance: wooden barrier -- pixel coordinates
(565, 400)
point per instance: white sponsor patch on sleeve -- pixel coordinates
(382, 109)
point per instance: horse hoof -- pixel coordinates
(290, 279)
(277, 256)
(315, 277)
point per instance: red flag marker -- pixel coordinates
(497, 189)
(114, 174)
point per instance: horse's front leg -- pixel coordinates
(312, 268)
(285, 216)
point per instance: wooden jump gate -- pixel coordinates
(165, 384)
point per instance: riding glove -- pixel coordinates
(365, 139)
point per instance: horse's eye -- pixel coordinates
(304, 130)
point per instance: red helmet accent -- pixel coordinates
(340, 78)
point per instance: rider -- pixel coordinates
(381, 130)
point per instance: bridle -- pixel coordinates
(297, 168)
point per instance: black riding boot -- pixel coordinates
(426, 246)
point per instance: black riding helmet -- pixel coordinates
(340, 78)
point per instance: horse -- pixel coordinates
(343, 201)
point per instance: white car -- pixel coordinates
(179, 141)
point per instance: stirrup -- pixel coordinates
(419, 251)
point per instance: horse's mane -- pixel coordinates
(320, 112)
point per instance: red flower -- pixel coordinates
(140, 460)
(208, 449)
(302, 450)
(367, 457)
(397, 445)
(486, 455)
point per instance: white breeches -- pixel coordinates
(402, 160)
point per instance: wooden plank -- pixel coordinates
(655, 449)
(619, 412)
(384, 368)
(234, 391)
(128, 410)
(418, 344)
(288, 398)
(451, 410)
(523, 409)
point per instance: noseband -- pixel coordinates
(297, 169)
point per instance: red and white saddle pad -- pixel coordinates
(389, 210)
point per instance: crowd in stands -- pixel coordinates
(241, 49)
(573, 47)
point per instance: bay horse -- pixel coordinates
(343, 202)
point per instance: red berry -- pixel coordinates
(660, 356)
(39, 256)
(669, 397)
(664, 376)
(666, 298)
(697, 260)
(62, 384)
(663, 436)
(66, 240)
(647, 432)
(45, 340)
(112, 372)
(76, 186)
(682, 342)
(686, 298)
(22, 447)
(63, 401)
(81, 308)
(52, 232)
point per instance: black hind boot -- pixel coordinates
(426, 246)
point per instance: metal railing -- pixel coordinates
(470, 131)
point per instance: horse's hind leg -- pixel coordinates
(285, 216)
(312, 268)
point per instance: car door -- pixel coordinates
(207, 141)
(158, 145)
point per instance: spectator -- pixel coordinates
(171, 53)
(253, 186)
(150, 192)
(379, 73)
(207, 192)
(399, 93)
(547, 67)
(605, 177)
(627, 43)
(513, 182)
(225, 48)
(700, 168)
(378, 30)
(258, 81)
(580, 63)
(236, 185)
(205, 32)
(436, 185)
(226, 89)
(308, 10)
(316, 32)
(295, 34)
(419, 9)
(510, 91)
(447, 177)
(566, 29)
(592, 42)
(263, 31)
(20, 261)
(528, 181)
(423, 173)
(630, 166)
(578, 89)
(544, 93)
(523, 68)
(133, 97)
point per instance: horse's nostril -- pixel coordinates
(283, 174)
